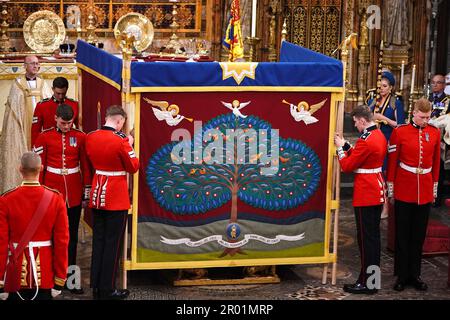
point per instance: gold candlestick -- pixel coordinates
(90, 29)
(174, 42)
(252, 42)
(413, 96)
(284, 31)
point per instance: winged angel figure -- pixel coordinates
(166, 112)
(303, 112)
(236, 106)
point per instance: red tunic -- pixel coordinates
(17, 206)
(44, 115)
(64, 151)
(367, 156)
(414, 147)
(110, 152)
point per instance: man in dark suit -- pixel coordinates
(439, 108)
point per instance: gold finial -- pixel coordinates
(90, 29)
(126, 41)
(284, 31)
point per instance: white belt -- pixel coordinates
(35, 244)
(64, 171)
(361, 170)
(414, 169)
(31, 245)
(110, 173)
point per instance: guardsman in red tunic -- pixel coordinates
(112, 156)
(66, 169)
(365, 159)
(44, 114)
(41, 265)
(413, 174)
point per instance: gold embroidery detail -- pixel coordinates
(38, 267)
(24, 272)
(238, 70)
(59, 281)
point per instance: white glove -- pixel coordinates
(87, 192)
(3, 295)
(55, 293)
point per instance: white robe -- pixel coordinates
(16, 131)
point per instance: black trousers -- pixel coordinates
(109, 227)
(411, 222)
(441, 187)
(74, 215)
(368, 234)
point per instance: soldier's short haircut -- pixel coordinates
(422, 105)
(362, 111)
(64, 112)
(30, 162)
(115, 110)
(61, 83)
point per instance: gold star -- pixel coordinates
(238, 70)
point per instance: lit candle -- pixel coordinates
(253, 18)
(412, 78)
(401, 75)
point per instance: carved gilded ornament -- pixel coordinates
(156, 15)
(331, 32)
(184, 16)
(299, 27)
(44, 31)
(19, 13)
(317, 30)
(98, 13)
(122, 11)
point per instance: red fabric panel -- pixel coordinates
(94, 90)
(205, 106)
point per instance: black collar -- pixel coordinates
(59, 130)
(57, 101)
(416, 125)
(108, 128)
(29, 183)
(29, 79)
(368, 129)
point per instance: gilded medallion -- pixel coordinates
(137, 25)
(44, 31)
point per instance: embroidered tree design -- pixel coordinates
(230, 167)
